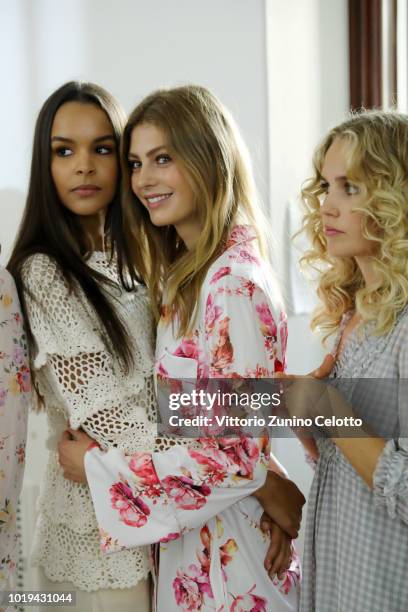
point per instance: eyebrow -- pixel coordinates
(70, 140)
(148, 154)
(337, 178)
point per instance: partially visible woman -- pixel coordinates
(90, 337)
(356, 544)
(15, 399)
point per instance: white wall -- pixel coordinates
(130, 47)
(308, 93)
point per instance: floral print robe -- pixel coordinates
(15, 396)
(195, 499)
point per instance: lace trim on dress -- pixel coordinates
(80, 560)
(361, 348)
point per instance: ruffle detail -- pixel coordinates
(66, 556)
(391, 478)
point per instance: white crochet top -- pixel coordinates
(78, 379)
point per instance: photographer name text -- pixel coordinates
(256, 421)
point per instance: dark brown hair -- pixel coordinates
(49, 227)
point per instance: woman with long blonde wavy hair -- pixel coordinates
(195, 234)
(356, 550)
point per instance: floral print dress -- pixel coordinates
(195, 497)
(15, 396)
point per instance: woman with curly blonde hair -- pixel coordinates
(356, 550)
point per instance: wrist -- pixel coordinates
(266, 489)
(260, 493)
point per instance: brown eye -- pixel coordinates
(63, 152)
(104, 150)
(134, 164)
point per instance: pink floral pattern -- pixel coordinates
(268, 325)
(224, 271)
(192, 586)
(231, 288)
(186, 494)
(132, 509)
(142, 466)
(108, 544)
(188, 589)
(212, 314)
(249, 602)
(15, 397)
(234, 455)
(222, 354)
(187, 348)
(169, 537)
(243, 255)
(291, 578)
(211, 547)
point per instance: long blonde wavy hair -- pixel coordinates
(203, 139)
(377, 163)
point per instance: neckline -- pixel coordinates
(344, 322)
(344, 363)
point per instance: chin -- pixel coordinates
(342, 253)
(160, 220)
(87, 209)
(339, 253)
(339, 250)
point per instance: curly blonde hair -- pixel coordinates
(377, 162)
(204, 140)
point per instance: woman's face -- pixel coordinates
(84, 163)
(342, 226)
(160, 183)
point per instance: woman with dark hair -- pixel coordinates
(86, 365)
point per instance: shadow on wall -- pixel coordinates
(12, 204)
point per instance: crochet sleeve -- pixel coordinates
(60, 321)
(75, 367)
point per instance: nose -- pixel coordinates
(328, 206)
(85, 163)
(144, 177)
